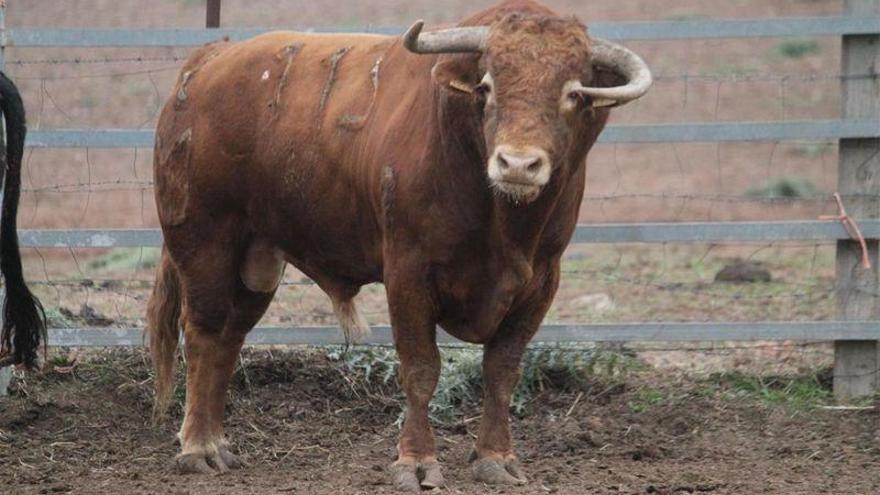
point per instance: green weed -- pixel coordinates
(59, 319)
(125, 260)
(646, 399)
(797, 47)
(559, 367)
(803, 391)
(784, 187)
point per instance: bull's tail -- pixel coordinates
(163, 321)
(24, 322)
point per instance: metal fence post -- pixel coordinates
(212, 14)
(857, 363)
(5, 373)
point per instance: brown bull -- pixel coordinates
(449, 165)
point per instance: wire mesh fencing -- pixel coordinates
(785, 171)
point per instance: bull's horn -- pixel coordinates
(454, 40)
(624, 62)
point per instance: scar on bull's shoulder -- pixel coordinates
(173, 181)
(181, 89)
(290, 51)
(331, 76)
(198, 60)
(389, 184)
(357, 121)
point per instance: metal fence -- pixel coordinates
(856, 330)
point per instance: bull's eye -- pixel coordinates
(578, 98)
(482, 90)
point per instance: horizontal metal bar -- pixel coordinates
(641, 133)
(91, 238)
(653, 30)
(702, 232)
(80, 138)
(741, 131)
(83, 38)
(620, 332)
(736, 28)
(698, 232)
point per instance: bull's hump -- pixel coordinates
(319, 39)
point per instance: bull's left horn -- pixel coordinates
(624, 62)
(454, 40)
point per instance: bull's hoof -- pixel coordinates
(498, 472)
(216, 461)
(415, 477)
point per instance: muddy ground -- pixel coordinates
(306, 424)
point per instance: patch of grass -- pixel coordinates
(125, 260)
(804, 391)
(784, 187)
(797, 47)
(59, 360)
(727, 69)
(58, 319)
(88, 101)
(559, 367)
(646, 399)
(812, 149)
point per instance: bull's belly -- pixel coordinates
(330, 265)
(469, 331)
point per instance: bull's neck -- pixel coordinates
(513, 229)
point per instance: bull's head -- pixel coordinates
(533, 81)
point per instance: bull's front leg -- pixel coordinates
(414, 328)
(494, 460)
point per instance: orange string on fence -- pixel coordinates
(851, 228)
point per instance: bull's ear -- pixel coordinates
(456, 73)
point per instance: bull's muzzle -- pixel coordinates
(519, 172)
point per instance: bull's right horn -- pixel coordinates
(627, 64)
(454, 40)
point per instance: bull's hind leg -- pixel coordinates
(220, 309)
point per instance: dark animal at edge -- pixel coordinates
(24, 322)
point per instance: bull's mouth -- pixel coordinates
(517, 191)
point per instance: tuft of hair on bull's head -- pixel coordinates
(530, 80)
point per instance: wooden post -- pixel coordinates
(857, 363)
(212, 17)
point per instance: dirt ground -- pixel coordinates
(305, 424)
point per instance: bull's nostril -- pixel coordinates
(535, 165)
(502, 162)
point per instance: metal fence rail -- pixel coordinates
(695, 232)
(633, 133)
(662, 30)
(621, 332)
